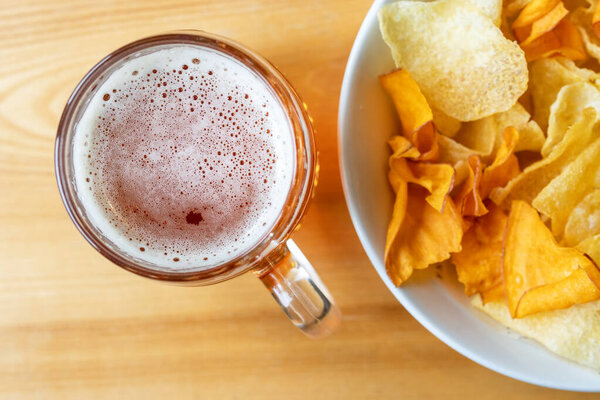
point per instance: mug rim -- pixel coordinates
(300, 191)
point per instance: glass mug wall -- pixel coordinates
(189, 159)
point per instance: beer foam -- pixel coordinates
(184, 157)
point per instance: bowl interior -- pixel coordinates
(366, 121)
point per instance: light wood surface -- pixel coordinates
(72, 325)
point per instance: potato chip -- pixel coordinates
(531, 137)
(478, 265)
(538, 274)
(490, 8)
(479, 135)
(573, 333)
(564, 192)
(591, 247)
(537, 18)
(584, 220)
(505, 165)
(445, 125)
(547, 77)
(534, 178)
(485, 135)
(419, 235)
(569, 104)
(468, 200)
(465, 67)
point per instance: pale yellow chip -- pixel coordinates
(461, 61)
(480, 136)
(531, 136)
(568, 106)
(584, 220)
(573, 333)
(445, 125)
(564, 192)
(535, 177)
(453, 153)
(547, 77)
(591, 247)
(490, 8)
(485, 135)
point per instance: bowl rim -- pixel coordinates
(399, 294)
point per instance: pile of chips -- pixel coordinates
(497, 167)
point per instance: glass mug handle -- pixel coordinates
(297, 289)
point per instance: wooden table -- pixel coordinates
(72, 325)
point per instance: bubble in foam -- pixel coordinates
(186, 176)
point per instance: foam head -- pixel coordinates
(184, 157)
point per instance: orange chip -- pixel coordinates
(411, 105)
(418, 234)
(537, 18)
(533, 11)
(478, 265)
(415, 114)
(505, 165)
(596, 20)
(538, 274)
(425, 140)
(438, 179)
(469, 200)
(564, 40)
(493, 295)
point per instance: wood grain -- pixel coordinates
(72, 325)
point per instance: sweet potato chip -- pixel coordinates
(464, 66)
(564, 192)
(455, 154)
(493, 295)
(583, 18)
(569, 104)
(411, 106)
(538, 274)
(505, 165)
(419, 235)
(565, 40)
(547, 77)
(596, 21)
(537, 18)
(468, 200)
(584, 220)
(534, 178)
(478, 265)
(533, 11)
(414, 112)
(436, 178)
(513, 7)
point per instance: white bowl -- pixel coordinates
(366, 121)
